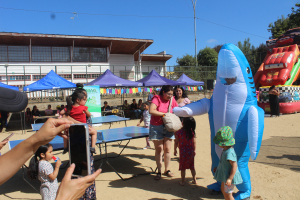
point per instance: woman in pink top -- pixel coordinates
(180, 96)
(161, 138)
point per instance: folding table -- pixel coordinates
(120, 134)
(43, 117)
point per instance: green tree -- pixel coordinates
(250, 53)
(207, 57)
(294, 17)
(187, 60)
(218, 47)
(280, 26)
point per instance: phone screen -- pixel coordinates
(78, 154)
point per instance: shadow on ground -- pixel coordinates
(167, 186)
(283, 152)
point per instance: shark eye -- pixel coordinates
(248, 70)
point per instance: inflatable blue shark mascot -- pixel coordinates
(233, 104)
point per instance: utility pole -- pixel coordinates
(194, 6)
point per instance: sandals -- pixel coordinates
(158, 176)
(168, 173)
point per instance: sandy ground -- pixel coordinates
(275, 174)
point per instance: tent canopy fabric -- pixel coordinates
(189, 81)
(9, 86)
(108, 79)
(154, 79)
(51, 81)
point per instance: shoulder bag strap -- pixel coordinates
(170, 104)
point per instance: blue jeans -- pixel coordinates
(136, 113)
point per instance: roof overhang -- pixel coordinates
(155, 57)
(117, 45)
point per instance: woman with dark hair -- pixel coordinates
(162, 138)
(35, 111)
(274, 101)
(181, 96)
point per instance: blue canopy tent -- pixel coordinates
(9, 86)
(154, 79)
(108, 79)
(51, 81)
(189, 81)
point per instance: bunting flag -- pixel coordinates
(144, 89)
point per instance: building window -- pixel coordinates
(98, 55)
(95, 75)
(19, 78)
(127, 75)
(66, 76)
(14, 53)
(61, 54)
(41, 54)
(88, 75)
(38, 77)
(87, 54)
(3, 53)
(50, 54)
(81, 75)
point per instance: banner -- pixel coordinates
(93, 100)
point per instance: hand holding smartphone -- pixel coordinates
(79, 149)
(7, 138)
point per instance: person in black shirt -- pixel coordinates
(134, 109)
(35, 111)
(106, 107)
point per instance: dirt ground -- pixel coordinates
(274, 175)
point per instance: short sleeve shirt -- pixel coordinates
(150, 96)
(224, 168)
(78, 113)
(49, 112)
(146, 117)
(162, 106)
(45, 169)
(185, 101)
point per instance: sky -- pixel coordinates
(169, 23)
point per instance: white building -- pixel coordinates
(25, 57)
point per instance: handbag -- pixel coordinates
(171, 121)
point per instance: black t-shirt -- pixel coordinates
(36, 112)
(106, 109)
(133, 106)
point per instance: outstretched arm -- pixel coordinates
(197, 108)
(11, 161)
(255, 129)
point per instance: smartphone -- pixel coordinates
(79, 149)
(7, 138)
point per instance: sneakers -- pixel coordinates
(65, 150)
(93, 150)
(147, 147)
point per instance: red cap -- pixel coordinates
(53, 157)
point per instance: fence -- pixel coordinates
(23, 75)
